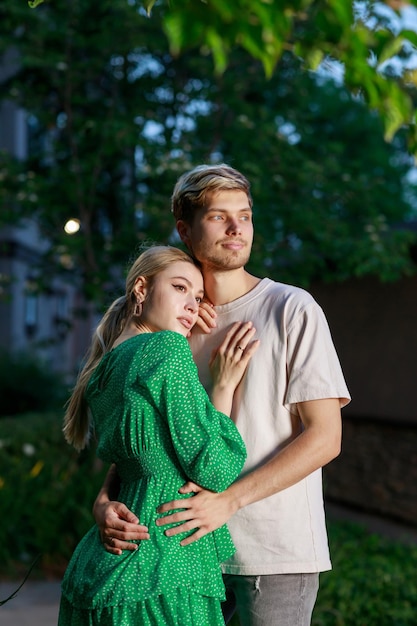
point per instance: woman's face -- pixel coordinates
(171, 303)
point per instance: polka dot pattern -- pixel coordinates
(155, 421)
(180, 607)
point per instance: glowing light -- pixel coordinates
(72, 226)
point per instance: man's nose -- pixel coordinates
(234, 226)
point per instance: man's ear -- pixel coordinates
(140, 288)
(183, 231)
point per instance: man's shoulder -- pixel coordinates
(284, 293)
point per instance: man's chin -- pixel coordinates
(226, 264)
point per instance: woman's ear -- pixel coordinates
(140, 288)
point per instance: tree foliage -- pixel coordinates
(114, 118)
(327, 187)
(357, 35)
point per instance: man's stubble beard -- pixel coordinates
(223, 262)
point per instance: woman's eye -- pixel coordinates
(180, 287)
(199, 300)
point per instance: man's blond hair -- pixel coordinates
(195, 188)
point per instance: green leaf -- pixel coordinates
(391, 49)
(410, 35)
(218, 48)
(148, 5)
(174, 28)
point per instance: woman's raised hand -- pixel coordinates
(229, 361)
(206, 320)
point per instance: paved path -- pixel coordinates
(36, 604)
(379, 525)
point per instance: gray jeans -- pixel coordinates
(273, 600)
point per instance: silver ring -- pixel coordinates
(239, 348)
(111, 540)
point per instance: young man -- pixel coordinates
(287, 410)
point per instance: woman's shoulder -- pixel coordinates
(143, 341)
(167, 350)
(168, 338)
(168, 344)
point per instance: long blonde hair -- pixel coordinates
(77, 420)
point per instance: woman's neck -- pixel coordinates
(131, 329)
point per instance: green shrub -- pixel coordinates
(26, 384)
(373, 582)
(46, 493)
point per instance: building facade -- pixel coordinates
(46, 324)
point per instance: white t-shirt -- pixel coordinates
(296, 361)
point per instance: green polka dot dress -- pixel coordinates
(155, 421)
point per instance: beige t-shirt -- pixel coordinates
(296, 361)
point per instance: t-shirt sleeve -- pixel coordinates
(313, 367)
(207, 443)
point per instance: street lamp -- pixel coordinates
(72, 226)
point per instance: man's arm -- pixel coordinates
(118, 526)
(317, 445)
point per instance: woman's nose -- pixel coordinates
(192, 305)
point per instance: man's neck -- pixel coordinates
(224, 287)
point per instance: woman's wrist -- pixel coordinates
(222, 399)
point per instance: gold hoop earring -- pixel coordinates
(138, 309)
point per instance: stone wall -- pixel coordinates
(374, 327)
(377, 469)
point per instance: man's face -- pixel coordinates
(221, 235)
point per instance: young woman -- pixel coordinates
(153, 419)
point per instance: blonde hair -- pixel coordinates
(77, 419)
(194, 188)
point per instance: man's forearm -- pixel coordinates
(110, 488)
(316, 445)
(313, 448)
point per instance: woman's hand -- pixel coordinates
(206, 317)
(229, 361)
(119, 528)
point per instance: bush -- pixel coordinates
(373, 582)
(26, 384)
(46, 493)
